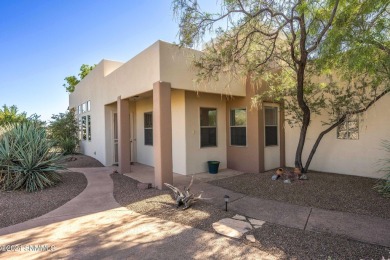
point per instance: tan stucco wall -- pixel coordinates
(249, 158)
(354, 157)
(178, 131)
(197, 157)
(176, 68)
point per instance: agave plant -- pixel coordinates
(26, 158)
(383, 185)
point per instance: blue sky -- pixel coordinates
(43, 41)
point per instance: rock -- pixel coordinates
(275, 177)
(239, 217)
(232, 227)
(256, 226)
(250, 238)
(287, 181)
(144, 186)
(303, 177)
(256, 222)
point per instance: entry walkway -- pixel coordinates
(94, 226)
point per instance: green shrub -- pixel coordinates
(383, 185)
(63, 129)
(26, 158)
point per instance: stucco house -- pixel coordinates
(149, 110)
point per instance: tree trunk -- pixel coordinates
(319, 138)
(306, 114)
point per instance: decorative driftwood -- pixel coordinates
(184, 198)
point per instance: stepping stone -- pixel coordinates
(239, 217)
(232, 227)
(256, 222)
(251, 238)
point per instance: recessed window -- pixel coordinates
(148, 128)
(208, 127)
(238, 127)
(89, 127)
(79, 109)
(84, 107)
(84, 127)
(349, 129)
(89, 105)
(271, 125)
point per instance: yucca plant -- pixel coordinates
(383, 184)
(26, 160)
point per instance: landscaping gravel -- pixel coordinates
(288, 243)
(19, 206)
(323, 190)
(80, 161)
(160, 203)
(291, 243)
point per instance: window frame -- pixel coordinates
(236, 126)
(348, 131)
(277, 125)
(148, 128)
(209, 127)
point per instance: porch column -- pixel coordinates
(123, 135)
(162, 134)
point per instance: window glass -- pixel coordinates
(84, 107)
(89, 127)
(238, 127)
(208, 127)
(349, 129)
(89, 105)
(148, 128)
(271, 125)
(84, 127)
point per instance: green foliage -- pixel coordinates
(26, 158)
(11, 115)
(63, 131)
(383, 185)
(314, 57)
(72, 81)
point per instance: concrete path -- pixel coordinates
(94, 226)
(363, 228)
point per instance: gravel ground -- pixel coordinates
(80, 161)
(160, 203)
(323, 190)
(293, 243)
(290, 243)
(19, 206)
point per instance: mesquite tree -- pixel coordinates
(316, 56)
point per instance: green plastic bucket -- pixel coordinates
(213, 166)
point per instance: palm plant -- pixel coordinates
(26, 158)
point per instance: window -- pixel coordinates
(148, 128)
(89, 127)
(349, 129)
(79, 109)
(89, 105)
(84, 107)
(84, 127)
(238, 127)
(208, 127)
(271, 125)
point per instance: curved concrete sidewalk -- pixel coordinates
(93, 225)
